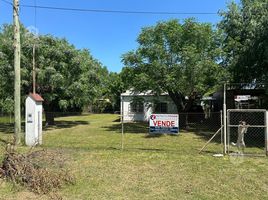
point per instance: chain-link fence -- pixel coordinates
(6, 118)
(195, 129)
(246, 131)
(49, 120)
(7, 123)
(200, 121)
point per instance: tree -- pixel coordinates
(67, 78)
(116, 87)
(111, 89)
(245, 28)
(181, 59)
(6, 70)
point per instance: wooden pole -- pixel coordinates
(17, 79)
(210, 140)
(35, 36)
(34, 69)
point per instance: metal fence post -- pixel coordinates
(224, 119)
(222, 131)
(122, 123)
(266, 133)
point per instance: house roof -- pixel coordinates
(36, 97)
(145, 93)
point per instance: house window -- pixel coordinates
(136, 107)
(161, 107)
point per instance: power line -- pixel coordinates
(116, 11)
(111, 11)
(7, 2)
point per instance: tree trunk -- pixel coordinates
(179, 101)
(50, 118)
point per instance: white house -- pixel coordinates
(136, 106)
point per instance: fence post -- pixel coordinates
(122, 123)
(224, 119)
(266, 133)
(222, 132)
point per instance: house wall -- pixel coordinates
(148, 107)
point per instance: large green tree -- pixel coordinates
(112, 87)
(67, 78)
(178, 58)
(115, 87)
(245, 28)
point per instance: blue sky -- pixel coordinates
(107, 35)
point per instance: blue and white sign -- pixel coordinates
(164, 123)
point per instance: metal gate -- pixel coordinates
(247, 131)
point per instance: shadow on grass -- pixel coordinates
(209, 152)
(117, 120)
(133, 127)
(251, 139)
(148, 149)
(140, 149)
(4, 141)
(8, 128)
(127, 149)
(153, 135)
(64, 124)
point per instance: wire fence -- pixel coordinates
(56, 120)
(246, 131)
(193, 127)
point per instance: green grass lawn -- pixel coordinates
(166, 167)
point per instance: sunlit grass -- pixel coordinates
(166, 167)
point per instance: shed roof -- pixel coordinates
(145, 93)
(36, 97)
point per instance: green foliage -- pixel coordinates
(111, 89)
(67, 78)
(181, 59)
(115, 88)
(7, 105)
(245, 28)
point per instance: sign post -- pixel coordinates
(122, 123)
(164, 123)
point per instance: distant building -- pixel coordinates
(242, 96)
(138, 106)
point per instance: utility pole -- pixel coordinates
(17, 79)
(34, 69)
(35, 37)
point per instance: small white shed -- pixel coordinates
(33, 119)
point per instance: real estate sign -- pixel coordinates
(164, 123)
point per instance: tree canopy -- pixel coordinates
(67, 78)
(182, 58)
(178, 58)
(245, 29)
